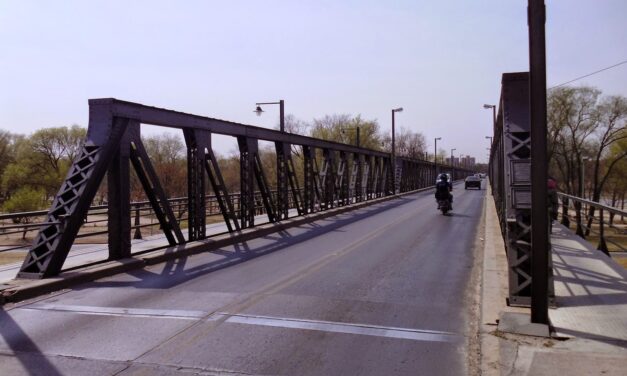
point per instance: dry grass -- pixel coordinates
(11, 257)
(622, 261)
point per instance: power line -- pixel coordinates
(589, 74)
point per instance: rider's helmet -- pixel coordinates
(444, 177)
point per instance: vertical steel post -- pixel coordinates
(393, 157)
(493, 121)
(602, 244)
(119, 201)
(565, 219)
(138, 233)
(282, 115)
(196, 203)
(247, 181)
(282, 179)
(308, 180)
(539, 218)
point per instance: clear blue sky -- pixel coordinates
(440, 60)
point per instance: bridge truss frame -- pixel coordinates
(334, 175)
(511, 180)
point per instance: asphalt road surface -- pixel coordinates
(384, 290)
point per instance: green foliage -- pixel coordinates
(23, 200)
(343, 129)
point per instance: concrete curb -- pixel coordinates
(22, 289)
(493, 290)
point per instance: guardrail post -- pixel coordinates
(565, 219)
(578, 218)
(138, 233)
(602, 245)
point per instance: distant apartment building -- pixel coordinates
(463, 161)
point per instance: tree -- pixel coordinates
(31, 169)
(294, 125)
(57, 144)
(42, 160)
(8, 143)
(583, 126)
(407, 143)
(343, 128)
(167, 154)
(571, 120)
(611, 131)
(24, 200)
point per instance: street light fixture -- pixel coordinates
(281, 104)
(395, 110)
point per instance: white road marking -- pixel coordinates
(122, 312)
(277, 322)
(338, 327)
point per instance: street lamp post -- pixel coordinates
(395, 110)
(281, 104)
(493, 107)
(453, 163)
(357, 137)
(435, 156)
(282, 170)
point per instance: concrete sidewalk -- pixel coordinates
(83, 254)
(590, 321)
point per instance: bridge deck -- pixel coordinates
(386, 289)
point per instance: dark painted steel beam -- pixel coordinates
(119, 201)
(539, 216)
(52, 244)
(173, 119)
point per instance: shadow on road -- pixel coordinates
(459, 215)
(24, 348)
(175, 273)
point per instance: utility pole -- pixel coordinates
(536, 13)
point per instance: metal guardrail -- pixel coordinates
(27, 222)
(591, 218)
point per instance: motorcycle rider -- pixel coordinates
(443, 190)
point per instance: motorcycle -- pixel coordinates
(444, 205)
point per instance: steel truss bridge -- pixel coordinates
(333, 175)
